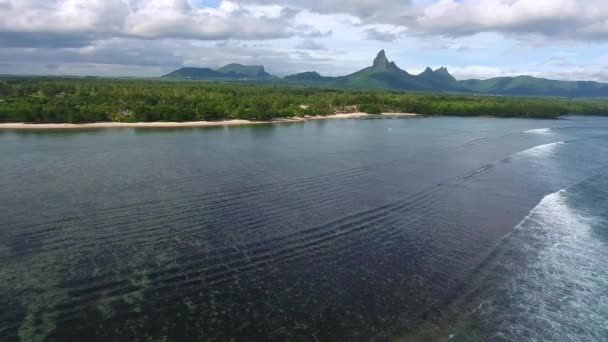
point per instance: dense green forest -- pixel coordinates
(77, 100)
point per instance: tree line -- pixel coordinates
(80, 100)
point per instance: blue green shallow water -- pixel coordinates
(474, 228)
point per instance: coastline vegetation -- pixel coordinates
(82, 100)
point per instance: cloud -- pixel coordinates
(364, 9)
(558, 61)
(119, 51)
(149, 37)
(570, 72)
(44, 40)
(482, 72)
(585, 20)
(562, 19)
(5, 5)
(310, 44)
(448, 44)
(382, 36)
(86, 20)
(135, 57)
(27, 22)
(580, 73)
(176, 19)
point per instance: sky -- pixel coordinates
(558, 39)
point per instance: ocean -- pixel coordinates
(400, 229)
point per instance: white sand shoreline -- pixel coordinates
(188, 123)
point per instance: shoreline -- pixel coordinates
(161, 124)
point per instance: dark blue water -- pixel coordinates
(422, 228)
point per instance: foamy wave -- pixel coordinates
(539, 131)
(540, 151)
(553, 208)
(557, 261)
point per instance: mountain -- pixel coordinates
(439, 79)
(244, 71)
(309, 76)
(528, 85)
(230, 71)
(384, 74)
(193, 73)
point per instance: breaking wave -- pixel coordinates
(540, 151)
(539, 131)
(560, 278)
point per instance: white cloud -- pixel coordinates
(5, 5)
(310, 44)
(167, 19)
(364, 9)
(482, 72)
(98, 19)
(332, 37)
(564, 19)
(384, 33)
(62, 16)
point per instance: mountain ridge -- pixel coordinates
(386, 75)
(228, 71)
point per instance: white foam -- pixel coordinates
(539, 131)
(560, 284)
(552, 207)
(540, 151)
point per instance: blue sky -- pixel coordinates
(560, 39)
(207, 3)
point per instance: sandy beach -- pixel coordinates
(189, 123)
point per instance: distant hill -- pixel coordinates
(194, 73)
(309, 76)
(230, 71)
(528, 85)
(439, 78)
(244, 71)
(384, 74)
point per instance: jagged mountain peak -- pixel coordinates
(381, 60)
(443, 71)
(382, 64)
(427, 70)
(438, 71)
(438, 78)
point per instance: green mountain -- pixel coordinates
(528, 85)
(193, 73)
(439, 79)
(383, 74)
(309, 76)
(230, 71)
(244, 71)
